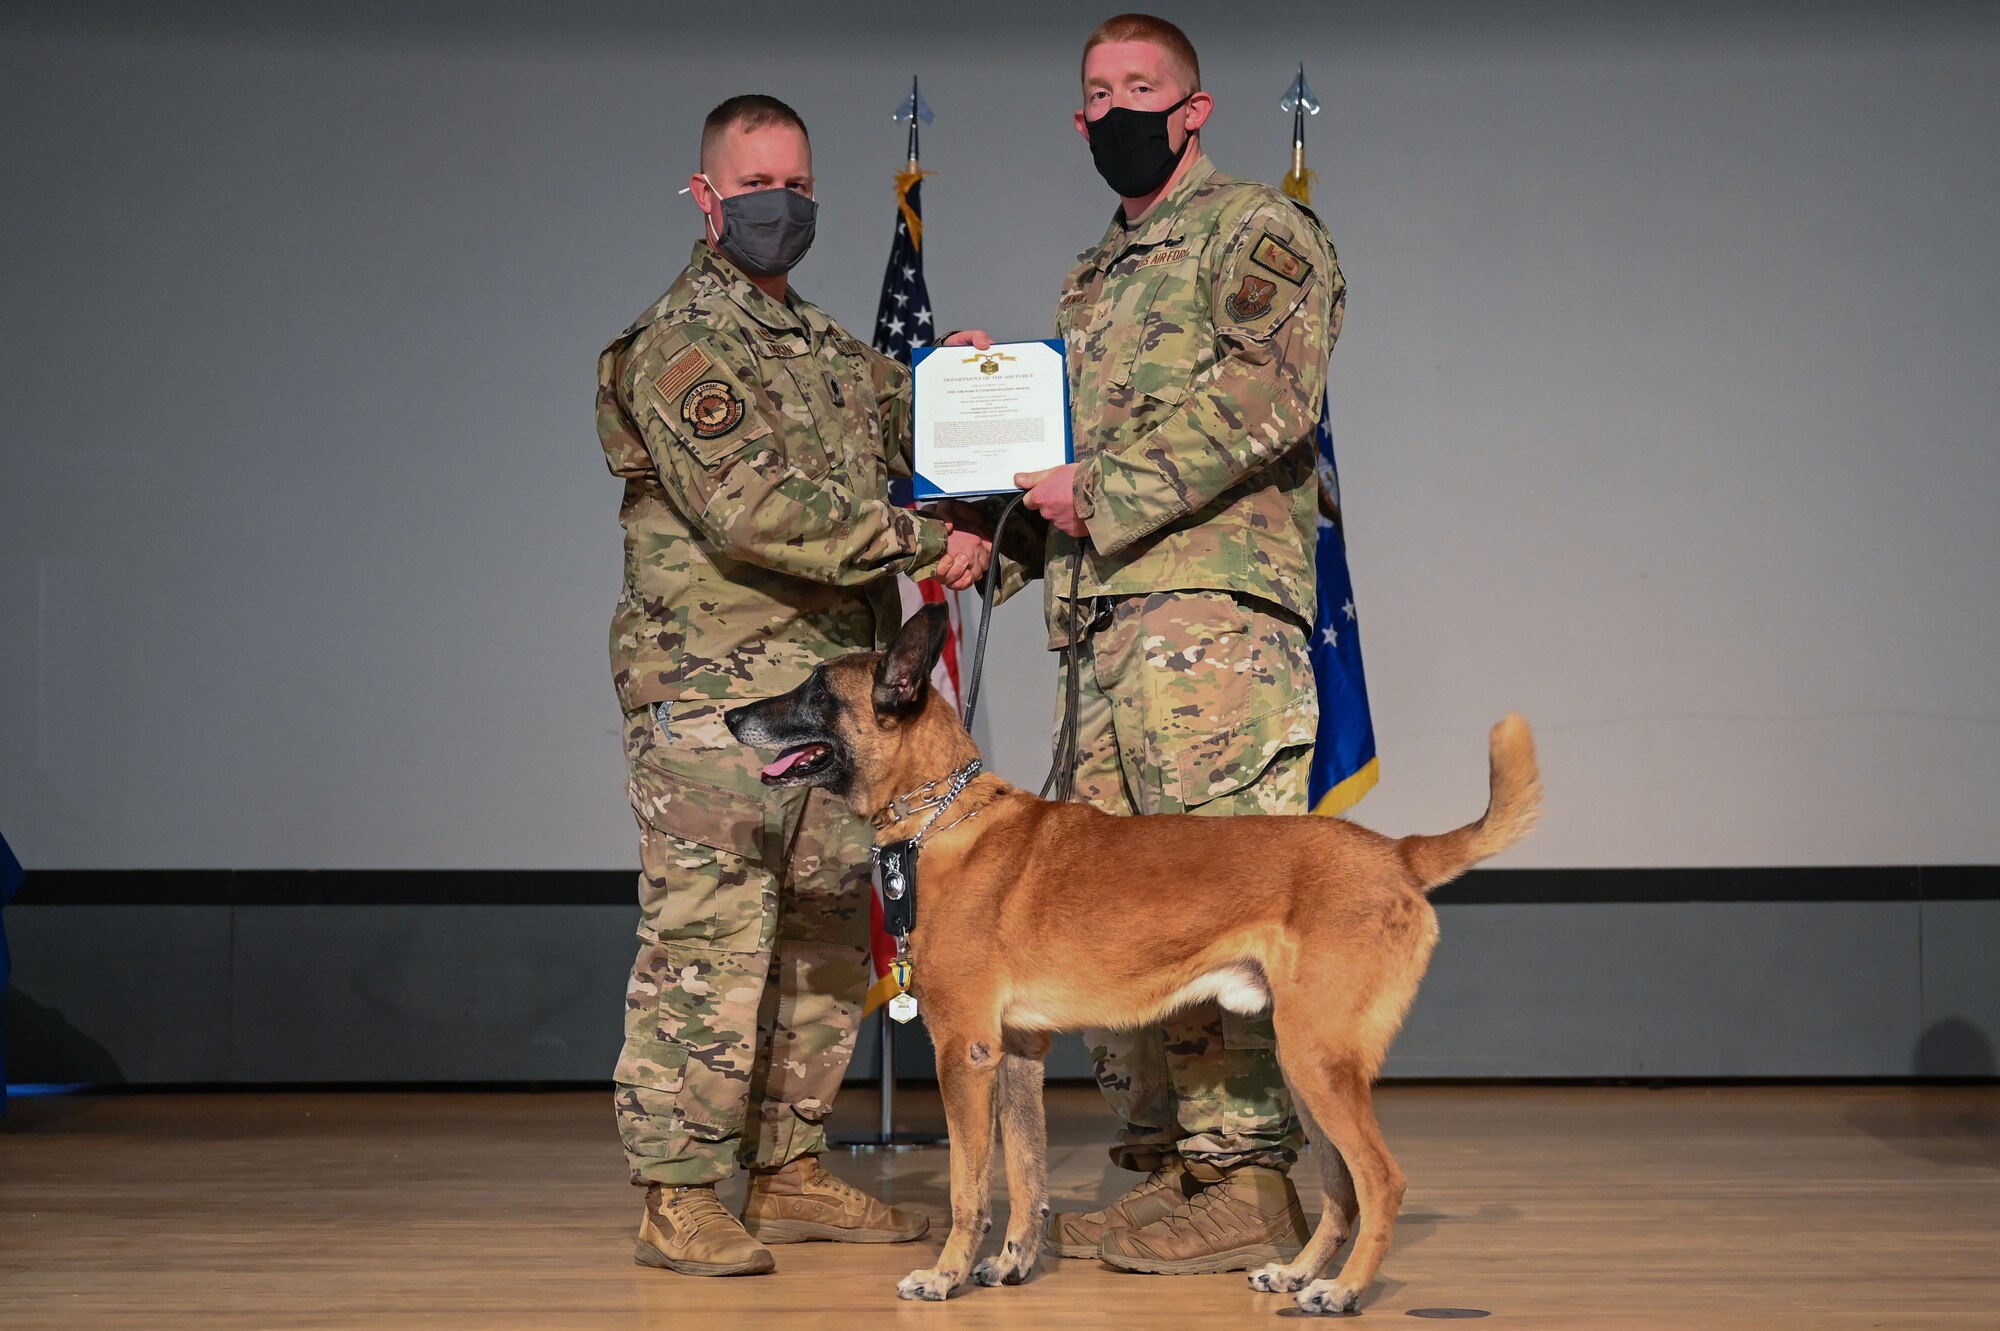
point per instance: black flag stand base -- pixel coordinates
(886, 1138)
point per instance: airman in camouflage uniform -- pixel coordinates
(1197, 340)
(756, 439)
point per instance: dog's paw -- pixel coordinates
(1277, 1278)
(1010, 1266)
(933, 1286)
(1328, 1297)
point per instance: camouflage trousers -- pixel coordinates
(1196, 702)
(753, 956)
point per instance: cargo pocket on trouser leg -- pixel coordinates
(1260, 766)
(684, 1073)
(702, 842)
(1228, 698)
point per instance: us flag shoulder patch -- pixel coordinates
(680, 376)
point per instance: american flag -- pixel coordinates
(903, 320)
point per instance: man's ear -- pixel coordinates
(903, 675)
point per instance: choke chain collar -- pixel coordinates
(908, 805)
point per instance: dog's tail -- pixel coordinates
(1511, 810)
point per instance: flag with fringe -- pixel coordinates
(1344, 765)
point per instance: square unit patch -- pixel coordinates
(1273, 254)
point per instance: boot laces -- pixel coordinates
(1163, 1176)
(820, 1179)
(1159, 1180)
(1207, 1213)
(699, 1207)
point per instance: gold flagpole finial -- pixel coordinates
(915, 110)
(1299, 100)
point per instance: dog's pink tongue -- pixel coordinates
(785, 762)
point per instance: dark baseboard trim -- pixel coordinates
(617, 887)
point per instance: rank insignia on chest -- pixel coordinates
(711, 409)
(1250, 301)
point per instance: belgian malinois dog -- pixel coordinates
(1035, 917)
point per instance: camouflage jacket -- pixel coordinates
(1198, 342)
(756, 439)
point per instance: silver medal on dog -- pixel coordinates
(902, 1007)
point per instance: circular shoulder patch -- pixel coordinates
(711, 409)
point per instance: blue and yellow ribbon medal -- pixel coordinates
(904, 1005)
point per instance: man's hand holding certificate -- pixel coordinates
(984, 415)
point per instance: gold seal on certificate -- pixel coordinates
(982, 416)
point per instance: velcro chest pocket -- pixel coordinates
(851, 387)
(802, 395)
(1165, 321)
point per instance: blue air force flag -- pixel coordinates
(1344, 766)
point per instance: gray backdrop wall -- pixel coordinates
(1665, 405)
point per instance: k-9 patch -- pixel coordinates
(1275, 255)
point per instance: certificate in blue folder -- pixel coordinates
(982, 416)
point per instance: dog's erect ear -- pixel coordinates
(904, 673)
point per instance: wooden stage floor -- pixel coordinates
(1547, 1207)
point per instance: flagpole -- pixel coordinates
(913, 109)
(888, 1032)
(888, 1078)
(1345, 765)
(1299, 100)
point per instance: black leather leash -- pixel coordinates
(1061, 779)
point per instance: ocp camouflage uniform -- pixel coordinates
(756, 439)
(1197, 346)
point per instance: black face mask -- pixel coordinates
(1130, 149)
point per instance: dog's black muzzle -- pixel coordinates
(799, 724)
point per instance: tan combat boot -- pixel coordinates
(800, 1202)
(1250, 1217)
(1078, 1234)
(689, 1231)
